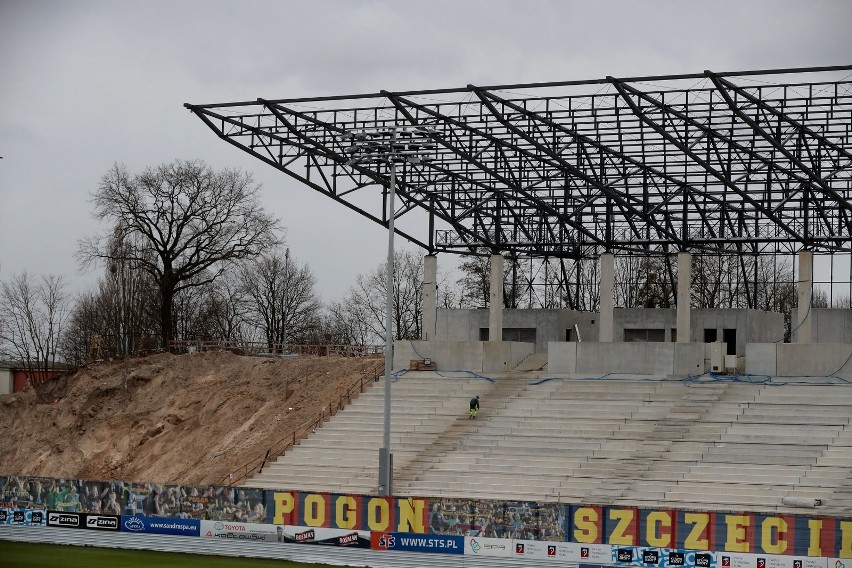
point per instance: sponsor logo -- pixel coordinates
(220, 526)
(624, 555)
(761, 563)
(303, 536)
(474, 545)
(797, 563)
(650, 556)
(18, 517)
(347, 539)
(676, 559)
(3, 515)
(100, 522)
(584, 552)
(134, 524)
(37, 517)
(551, 550)
(519, 548)
(63, 520)
(386, 541)
(704, 560)
(494, 546)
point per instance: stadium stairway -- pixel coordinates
(709, 444)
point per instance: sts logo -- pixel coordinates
(386, 541)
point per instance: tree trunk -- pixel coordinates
(167, 295)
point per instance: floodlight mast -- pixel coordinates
(389, 144)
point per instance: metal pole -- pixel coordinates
(385, 456)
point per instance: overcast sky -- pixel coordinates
(86, 84)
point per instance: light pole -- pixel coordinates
(390, 144)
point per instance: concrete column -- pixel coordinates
(804, 326)
(605, 330)
(684, 282)
(495, 313)
(429, 294)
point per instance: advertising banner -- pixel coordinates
(102, 522)
(160, 525)
(740, 560)
(564, 551)
(65, 520)
(239, 531)
(662, 557)
(482, 546)
(409, 542)
(324, 536)
(26, 517)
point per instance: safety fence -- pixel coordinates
(570, 533)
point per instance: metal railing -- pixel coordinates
(257, 464)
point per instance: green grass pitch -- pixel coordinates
(14, 554)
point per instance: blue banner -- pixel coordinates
(160, 525)
(26, 517)
(412, 542)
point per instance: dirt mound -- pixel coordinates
(169, 418)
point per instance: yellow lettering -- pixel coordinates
(660, 537)
(314, 510)
(737, 533)
(815, 530)
(845, 539)
(619, 532)
(770, 537)
(411, 512)
(586, 523)
(345, 512)
(699, 522)
(378, 515)
(284, 505)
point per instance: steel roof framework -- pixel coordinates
(756, 162)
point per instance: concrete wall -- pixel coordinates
(828, 325)
(484, 356)
(550, 325)
(636, 358)
(753, 326)
(6, 381)
(799, 359)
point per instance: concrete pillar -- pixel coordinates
(803, 328)
(429, 294)
(495, 313)
(605, 330)
(684, 283)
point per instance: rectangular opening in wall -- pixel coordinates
(483, 333)
(729, 336)
(710, 335)
(568, 334)
(644, 335)
(522, 334)
(674, 335)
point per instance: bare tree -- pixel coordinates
(365, 302)
(188, 222)
(32, 316)
(283, 301)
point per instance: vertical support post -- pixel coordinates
(495, 312)
(605, 330)
(385, 457)
(684, 283)
(804, 291)
(429, 294)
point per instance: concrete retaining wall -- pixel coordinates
(829, 325)
(639, 358)
(484, 356)
(796, 360)
(753, 326)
